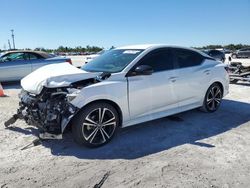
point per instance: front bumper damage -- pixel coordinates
(49, 111)
(45, 101)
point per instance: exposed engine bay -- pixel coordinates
(51, 110)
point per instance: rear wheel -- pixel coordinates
(234, 56)
(95, 125)
(212, 98)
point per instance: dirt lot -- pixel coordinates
(192, 149)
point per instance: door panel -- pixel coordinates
(154, 93)
(192, 78)
(151, 94)
(36, 60)
(14, 69)
(191, 84)
(37, 63)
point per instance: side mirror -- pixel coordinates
(143, 70)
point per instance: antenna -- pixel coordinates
(13, 39)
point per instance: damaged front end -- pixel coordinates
(45, 100)
(50, 111)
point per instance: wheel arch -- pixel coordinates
(114, 104)
(221, 86)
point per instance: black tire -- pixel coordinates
(234, 56)
(212, 99)
(95, 125)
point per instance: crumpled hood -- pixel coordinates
(53, 76)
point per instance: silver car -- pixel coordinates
(15, 65)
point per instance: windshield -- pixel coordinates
(112, 61)
(205, 51)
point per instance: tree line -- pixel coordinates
(232, 47)
(67, 49)
(95, 49)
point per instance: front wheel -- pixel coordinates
(95, 125)
(212, 98)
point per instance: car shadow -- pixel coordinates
(159, 135)
(148, 138)
(26, 131)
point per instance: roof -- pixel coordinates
(138, 47)
(147, 46)
(154, 46)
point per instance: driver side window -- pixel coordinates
(159, 60)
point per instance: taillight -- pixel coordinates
(69, 61)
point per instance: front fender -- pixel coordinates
(115, 91)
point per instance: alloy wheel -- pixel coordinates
(99, 126)
(214, 98)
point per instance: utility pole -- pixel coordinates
(9, 44)
(13, 40)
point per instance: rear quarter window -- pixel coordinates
(33, 56)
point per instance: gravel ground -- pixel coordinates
(191, 149)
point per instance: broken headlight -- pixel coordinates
(73, 93)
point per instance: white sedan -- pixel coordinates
(123, 87)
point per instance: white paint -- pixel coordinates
(140, 98)
(52, 76)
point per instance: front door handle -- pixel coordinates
(173, 79)
(207, 72)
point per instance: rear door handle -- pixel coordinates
(173, 79)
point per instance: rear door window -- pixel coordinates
(33, 56)
(187, 58)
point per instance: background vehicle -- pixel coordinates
(93, 56)
(15, 65)
(216, 54)
(227, 51)
(242, 53)
(123, 87)
(238, 72)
